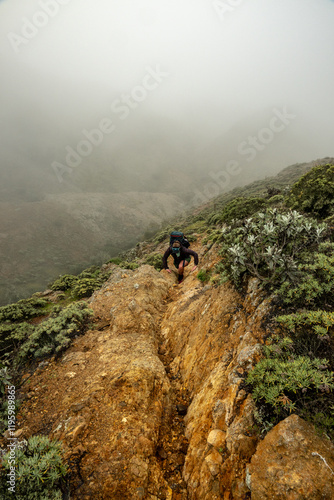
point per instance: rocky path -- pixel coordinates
(172, 444)
(113, 400)
(135, 399)
(151, 404)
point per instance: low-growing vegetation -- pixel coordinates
(64, 282)
(22, 342)
(203, 276)
(238, 208)
(314, 283)
(82, 285)
(287, 381)
(55, 333)
(270, 246)
(154, 259)
(40, 470)
(283, 241)
(23, 309)
(115, 260)
(313, 192)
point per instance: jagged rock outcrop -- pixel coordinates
(151, 404)
(215, 337)
(293, 463)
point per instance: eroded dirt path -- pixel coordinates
(112, 397)
(172, 445)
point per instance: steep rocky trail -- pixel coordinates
(151, 403)
(108, 396)
(118, 397)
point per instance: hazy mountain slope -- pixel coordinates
(284, 179)
(65, 233)
(70, 231)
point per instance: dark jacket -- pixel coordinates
(184, 253)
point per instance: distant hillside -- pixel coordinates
(68, 232)
(283, 179)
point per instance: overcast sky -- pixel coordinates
(200, 70)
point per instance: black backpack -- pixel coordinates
(178, 236)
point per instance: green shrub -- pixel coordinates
(314, 285)
(64, 282)
(237, 209)
(281, 383)
(319, 322)
(40, 470)
(275, 200)
(11, 337)
(311, 332)
(55, 333)
(314, 192)
(286, 381)
(4, 379)
(84, 284)
(23, 309)
(203, 276)
(195, 227)
(85, 287)
(115, 260)
(125, 264)
(269, 246)
(129, 265)
(155, 260)
(213, 236)
(90, 272)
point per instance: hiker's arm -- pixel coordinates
(194, 254)
(165, 257)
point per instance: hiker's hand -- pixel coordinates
(194, 268)
(168, 270)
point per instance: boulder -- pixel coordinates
(293, 463)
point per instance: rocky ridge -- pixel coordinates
(151, 403)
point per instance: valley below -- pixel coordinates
(66, 233)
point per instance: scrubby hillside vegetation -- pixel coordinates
(239, 348)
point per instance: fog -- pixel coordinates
(114, 95)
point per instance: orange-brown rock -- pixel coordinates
(292, 463)
(152, 403)
(215, 337)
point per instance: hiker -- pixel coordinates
(178, 248)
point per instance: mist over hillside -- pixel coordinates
(69, 232)
(124, 115)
